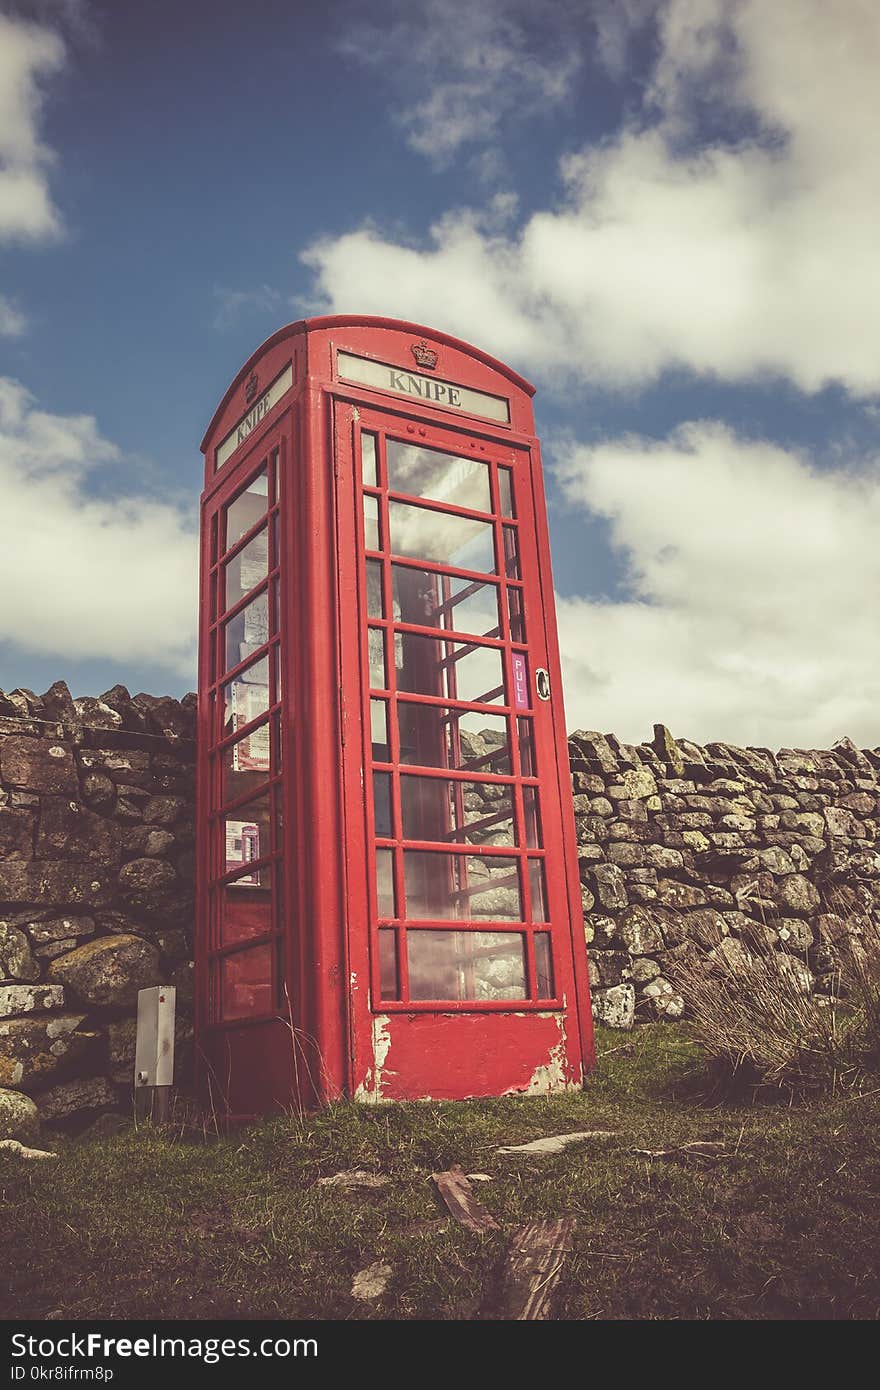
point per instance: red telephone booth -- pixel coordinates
(388, 894)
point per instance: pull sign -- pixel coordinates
(542, 683)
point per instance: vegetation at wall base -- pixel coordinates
(684, 1211)
(767, 1032)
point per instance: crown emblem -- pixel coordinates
(251, 389)
(425, 356)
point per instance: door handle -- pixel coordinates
(542, 683)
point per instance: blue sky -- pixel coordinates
(663, 212)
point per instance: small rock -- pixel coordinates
(371, 1283)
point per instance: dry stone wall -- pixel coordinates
(96, 896)
(721, 852)
(713, 850)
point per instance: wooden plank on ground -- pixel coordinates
(533, 1268)
(458, 1196)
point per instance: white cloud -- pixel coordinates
(753, 581)
(672, 246)
(462, 69)
(12, 321)
(28, 55)
(84, 575)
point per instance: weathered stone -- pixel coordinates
(795, 971)
(32, 1050)
(796, 933)
(662, 999)
(16, 959)
(146, 875)
(16, 833)
(668, 750)
(595, 748)
(600, 806)
(860, 802)
(108, 971)
(730, 955)
(76, 1101)
(38, 765)
(841, 821)
(798, 895)
(634, 785)
(660, 857)
(627, 855)
(707, 927)
(615, 1007)
(60, 929)
(54, 883)
(639, 933)
(695, 839)
(98, 791)
(643, 970)
(164, 810)
(775, 861)
(588, 902)
(16, 1000)
(609, 886)
(68, 830)
(19, 1118)
(148, 840)
(613, 967)
(680, 895)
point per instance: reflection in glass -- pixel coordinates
(526, 748)
(436, 736)
(246, 983)
(428, 599)
(247, 508)
(440, 809)
(247, 569)
(439, 477)
(246, 697)
(247, 836)
(385, 882)
(246, 763)
(372, 531)
(439, 886)
(466, 965)
(532, 818)
(538, 890)
(379, 731)
(515, 609)
(457, 670)
(245, 910)
(424, 534)
(247, 631)
(388, 985)
(369, 461)
(375, 600)
(376, 650)
(505, 492)
(511, 553)
(544, 966)
(382, 803)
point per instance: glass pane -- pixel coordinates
(376, 651)
(372, 533)
(538, 888)
(246, 763)
(467, 887)
(245, 910)
(247, 697)
(247, 631)
(435, 736)
(388, 986)
(428, 599)
(505, 492)
(466, 965)
(369, 461)
(511, 553)
(461, 482)
(247, 836)
(437, 808)
(515, 609)
(526, 748)
(247, 569)
(375, 600)
(379, 731)
(382, 803)
(246, 983)
(424, 534)
(276, 664)
(385, 882)
(247, 508)
(460, 671)
(544, 966)
(532, 818)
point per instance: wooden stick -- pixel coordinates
(458, 1196)
(533, 1267)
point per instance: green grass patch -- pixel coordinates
(782, 1221)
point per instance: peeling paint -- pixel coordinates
(552, 1074)
(369, 1092)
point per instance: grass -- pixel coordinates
(784, 1222)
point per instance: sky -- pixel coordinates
(662, 212)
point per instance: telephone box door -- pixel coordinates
(463, 983)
